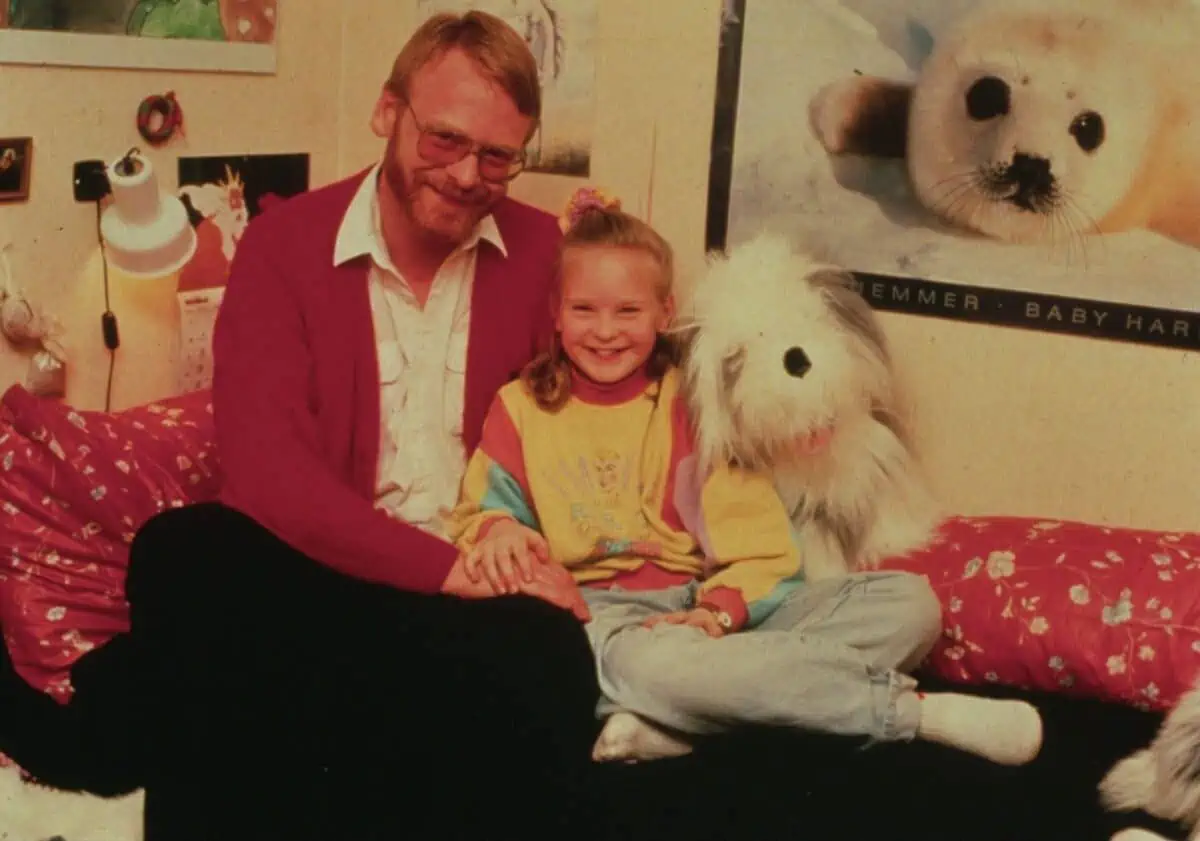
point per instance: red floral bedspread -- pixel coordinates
(74, 489)
(1069, 607)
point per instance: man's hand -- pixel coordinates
(507, 556)
(553, 583)
(550, 582)
(700, 617)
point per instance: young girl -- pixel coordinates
(701, 619)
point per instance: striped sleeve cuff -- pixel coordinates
(727, 600)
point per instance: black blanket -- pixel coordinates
(774, 785)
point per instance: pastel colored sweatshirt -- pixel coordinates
(611, 481)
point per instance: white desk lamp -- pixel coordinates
(146, 240)
(146, 232)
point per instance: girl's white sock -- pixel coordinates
(627, 738)
(1006, 732)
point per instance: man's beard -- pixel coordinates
(439, 221)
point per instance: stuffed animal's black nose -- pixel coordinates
(796, 362)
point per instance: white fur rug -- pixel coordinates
(31, 812)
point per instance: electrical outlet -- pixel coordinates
(91, 181)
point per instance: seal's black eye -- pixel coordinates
(1088, 131)
(989, 97)
(796, 362)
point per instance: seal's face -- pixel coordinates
(1028, 129)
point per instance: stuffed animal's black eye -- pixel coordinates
(987, 98)
(796, 362)
(1088, 131)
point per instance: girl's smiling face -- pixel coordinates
(612, 310)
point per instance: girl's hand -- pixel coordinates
(506, 557)
(700, 617)
(551, 583)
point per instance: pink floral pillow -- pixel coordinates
(74, 488)
(1064, 606)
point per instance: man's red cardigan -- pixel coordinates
(296, 396)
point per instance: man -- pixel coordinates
(313, 640)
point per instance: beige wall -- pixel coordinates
(1010, 421)
(76, 114)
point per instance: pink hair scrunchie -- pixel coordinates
(583, 200)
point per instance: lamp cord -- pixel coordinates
(108, 320)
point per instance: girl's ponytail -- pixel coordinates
(548, 377)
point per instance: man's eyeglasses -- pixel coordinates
(445, 147)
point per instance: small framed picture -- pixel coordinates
(16, 163)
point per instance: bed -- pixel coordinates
(1100, 626)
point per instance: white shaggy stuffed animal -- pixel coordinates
(787, 369)
(31, 812)
(1162, 779)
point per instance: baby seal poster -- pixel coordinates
(1030, 163)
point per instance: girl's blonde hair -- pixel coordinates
(604, 224)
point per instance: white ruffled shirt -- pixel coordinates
(422, 364)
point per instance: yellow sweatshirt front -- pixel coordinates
(612, 483)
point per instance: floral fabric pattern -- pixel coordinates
(1068, 607)
(75, 486)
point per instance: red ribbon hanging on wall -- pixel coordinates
(159, 117)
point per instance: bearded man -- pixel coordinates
(312, 639)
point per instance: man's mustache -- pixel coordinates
(452, 191)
